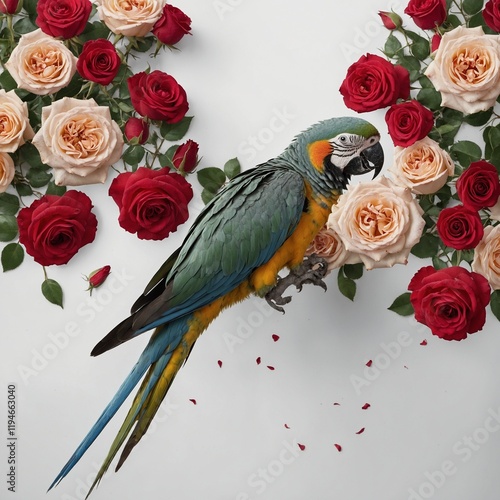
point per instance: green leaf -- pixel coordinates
(347, 286)
(52, 291)
(495, 304)
(133, 155)
(438, 263)
(175, 131)
(419, 47)
(402, 305)
(93, 31)
(211, 178)
(472, 6)
(353, 271)
(8, 227)
(392, 46)
(207, 195)
(465, 152)
(232, 168)
(12, 256)
(30, 6)
(427, 247)
(23, 189)
(429, 97)
(52, 188)
(9, 204)
(479, 119)
(38, 178)
(6, 81)
(24, 25)
(31, 156)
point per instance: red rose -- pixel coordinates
(158, 96)
(63, 18)
(98, 277)
(135, 128)
(478, 186)
(451, 302)
(152, 203)
(491, 14)
(172, 25)
(99, 61)
(9, 6)
(374, 83)
(408, 122)
(54, 228)
(186, 156)
(460, 227)
(427, 14)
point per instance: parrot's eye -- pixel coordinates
(342, 138)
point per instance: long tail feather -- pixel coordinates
(123, 392)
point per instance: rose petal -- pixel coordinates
(275, 337)
(339, 448)
(366, 406)
(361, 430)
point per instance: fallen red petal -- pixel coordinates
(287, 426)
(193, 401)
(219, 363)
(424, 342)
(336, 404)
(339, 448)
(276, 337)
(361, 430)
(258, 360)
(369, 363)
(302, 446)
(270, 367)
(366, 406)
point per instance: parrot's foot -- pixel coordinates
(312, 270)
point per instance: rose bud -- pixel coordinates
(10, 6)
(186, 157)
(172, 25)
(391, 20)
(435, 41)
(138, 129)
(98, 277)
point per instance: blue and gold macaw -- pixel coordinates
(262, 221)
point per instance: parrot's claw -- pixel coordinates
(312, 270)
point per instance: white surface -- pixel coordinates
(251, 67)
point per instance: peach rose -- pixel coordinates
(487, 256)
(378, 221)
(15, 128)
(466, 69)
(7, 171)
(41, 64)
(423, 167)
(79, 140)
(330, 247)
(130, 17)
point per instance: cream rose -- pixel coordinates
(79, 140)
(41, 64)
(7, 171)
(130, 17)
(378, 221)
(487, 256)
(329, 246)
(466, 69)
(423, 167)
(15, 128)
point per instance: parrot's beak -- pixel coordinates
(371, 158)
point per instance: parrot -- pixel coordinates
(260, 222)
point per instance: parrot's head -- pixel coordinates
(339, 148)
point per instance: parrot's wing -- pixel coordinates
(239, 230)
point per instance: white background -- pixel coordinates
(250, 66)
